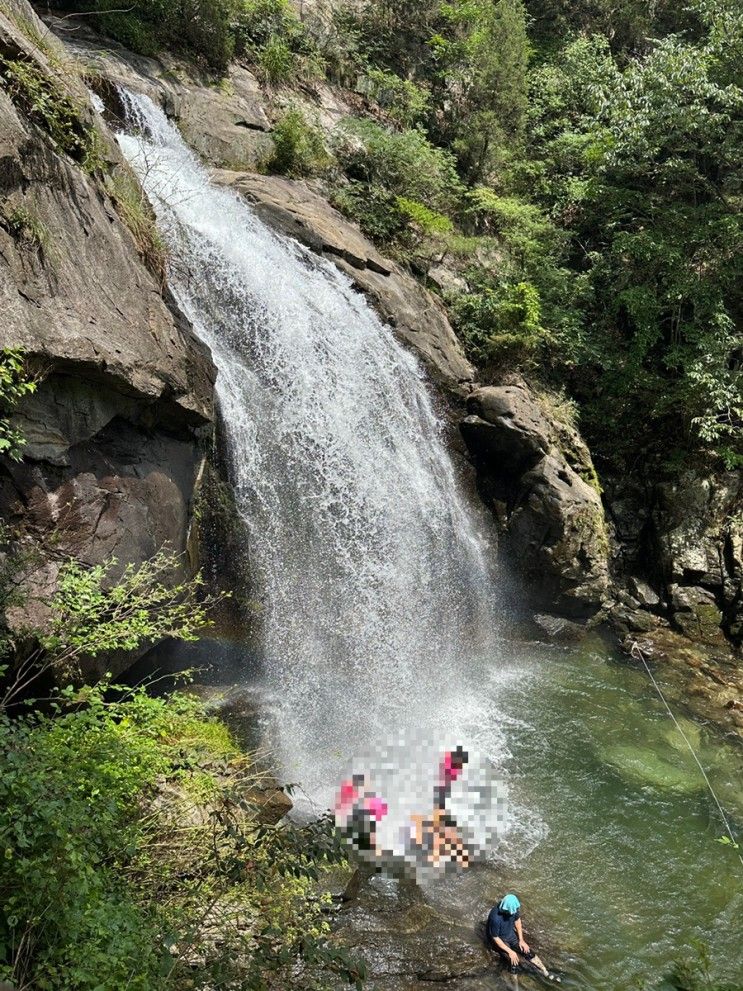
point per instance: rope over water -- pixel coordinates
(637, 653)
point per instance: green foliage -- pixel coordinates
(203, 28)
(27, 228)
(15, 383)
(113, 875)
(482, 53)
(298, 147)
(270, 34)
(407, 103)
(642, 168)
(404, 162)
(275, 62)
(99, 610)
(393, 34)
(375, 210)
(131, 851)
(259, 21)
(401, 185)
(500, 324)
(91, 613)
(428, 222)
(45, 103)
(630, 26)
(134, 209)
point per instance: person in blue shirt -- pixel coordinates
(506, 934)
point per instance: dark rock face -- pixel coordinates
(113, 455)
(536, 474)
(684, 563)
(406, 944)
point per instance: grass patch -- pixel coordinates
(27, 229)
(134, 209)
(43, 102)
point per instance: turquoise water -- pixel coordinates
(614, 849)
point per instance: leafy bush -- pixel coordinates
(500, 324)
(271, 35)
(203, 28)
(375, 210)
(428, 222)
(623, 158)
(113, 875)
(298, 147)
(130, 850)
(276, 62)
(92, 614)
(15, 383)
(405, 101)
(404, 162)
(259, 21)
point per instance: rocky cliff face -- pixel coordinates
(536, 474)
(112, 454)
(553, 527)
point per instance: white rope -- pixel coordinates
(637, 652)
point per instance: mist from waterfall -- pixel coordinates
(374, 585)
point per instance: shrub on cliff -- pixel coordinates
(203, 28)
(271, 36)
(15, 380)
(299, 149)
(399, 181)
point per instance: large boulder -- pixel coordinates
(113, 451)
(536, 474)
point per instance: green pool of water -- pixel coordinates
(615, 849)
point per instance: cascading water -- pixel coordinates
(374, 583)
(378, 621)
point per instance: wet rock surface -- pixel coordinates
(410, 943)
(406, 944)
(708, 680)
(416, 316)
(683, 569)
(537, 476)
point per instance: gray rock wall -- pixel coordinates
(537, 476)
(125, 388)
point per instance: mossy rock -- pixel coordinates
(644, 768)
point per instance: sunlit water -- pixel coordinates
(377, 598)
(617, 855)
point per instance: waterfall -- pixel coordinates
(373, 580)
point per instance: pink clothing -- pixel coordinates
(448, 772)
(351, 795)
(347, 796)
(377, 807)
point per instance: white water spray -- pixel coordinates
(373, 579)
